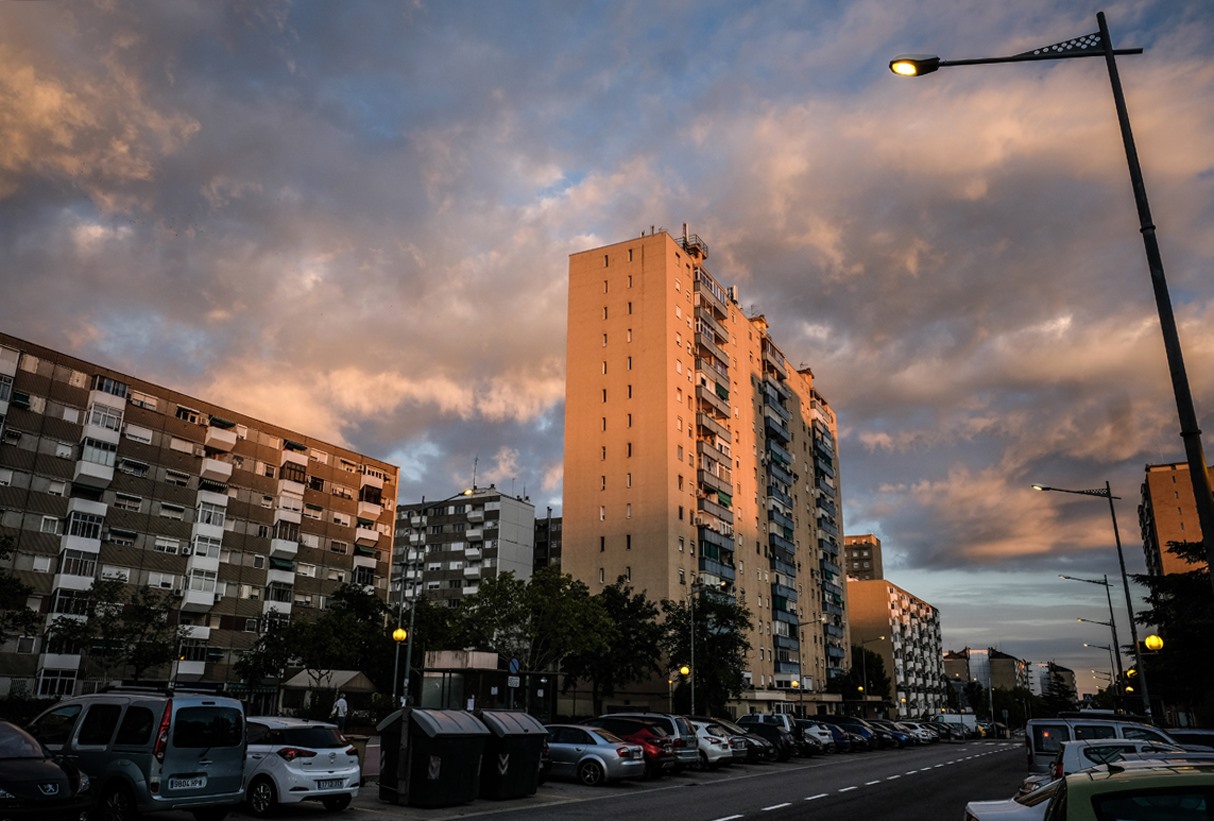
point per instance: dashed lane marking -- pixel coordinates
(816, 797)
(847, 789)
(777, 806)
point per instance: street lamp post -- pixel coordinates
(864, 670)
(1107, 493)
(696, 587)
(1110, 649)
(1100, 44)
(1112, 622)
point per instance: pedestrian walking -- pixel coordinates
(340, 709)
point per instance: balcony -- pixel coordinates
(197, 601)
(773, 361)
(784, 522)
(710, 399)
(776, 429)
(714, 509)
(278, 608)
(783, 567)
(784, 591)
(216, 470)
(366, 536)
(786, 642)
(370, 480)
(284, 548)
(472, 554)
(706, 422)
(93, 474)
(472, 572)
(474, 534)
(718, 569)
(785, 616)
(708, 344)
(220, 439)
(417, 539)
(369, 510)
(476, 514)
(712, 537)
(706, 297)
(713, 483)
(276, 576)
(771, 404)
(470, 590)
(778, 542)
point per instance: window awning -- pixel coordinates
(281, 564)
(725, 498)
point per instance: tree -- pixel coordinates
(540, 622)
(1180, 606)
(16, 617)
(867, 671)
(633, 640)
(123, 628)
(1058, 697)
(721, 648)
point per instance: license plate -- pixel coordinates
(196, 783)
(330, 784)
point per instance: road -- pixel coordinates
(922, 784)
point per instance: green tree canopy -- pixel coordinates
(16, 617)
(867, 671)
(721, 626)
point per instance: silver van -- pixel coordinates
(686, 743)
(1043, 737)
(151, 750)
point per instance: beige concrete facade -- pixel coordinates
(862, 557)
(1167, 513)
(695, 454)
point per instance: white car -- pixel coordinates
(290, 760)
(920, 732)
(714, 742)
(816, 729)
(1030, 807)
(1073, 756)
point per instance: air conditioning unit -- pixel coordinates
(185, 551)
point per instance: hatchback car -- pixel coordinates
(656, 745)
(294, 759)
(592, 755)
(1073, 756)
(715, 745)
(1175, 792)
(148, 750)
(34, 785)
(682, 734)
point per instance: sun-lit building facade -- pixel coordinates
(107, 476)
(1167, 513)
(905, 631)
(696, 455)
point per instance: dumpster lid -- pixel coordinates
(511, 722)
(448, 723)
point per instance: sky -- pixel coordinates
(355, 219)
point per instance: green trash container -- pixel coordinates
(430, 758)
(510, 767)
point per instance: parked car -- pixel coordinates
(821, 732)
(1030, 807)
(682, 735)
(923, 734)
(715, 748)
(758, 749)
(860, 727)
(785, 722)
(1172, 792)
(1191, 737)
(782, 740)
(147, 750)
(657, 746)
(36, 785)
(1073, 756)
(290, 760)
(592, 755)
(1043, 736)
(900, 737)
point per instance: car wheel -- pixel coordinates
(336, 803)
(261, 797)
(590, 773)
(211, 814)
(704, 765)
(118, 804)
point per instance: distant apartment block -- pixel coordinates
(1167, 513)
(862, 556)
(905, 631)
(548, 538)
(446, 548)
(697, 456)
(105, 475)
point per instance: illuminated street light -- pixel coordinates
(1112, 622)
(1100, 44)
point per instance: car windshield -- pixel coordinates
(16, 743)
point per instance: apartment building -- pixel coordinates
(862, 557)
(445, 549)
(697, 458)
(905, 631)
(105, 475)
(549, 535)
(1167, 513)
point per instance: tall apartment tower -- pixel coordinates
(1167, 513)
(107, 476)
(694, 455)
(905, 631)
(863, 556)
(448, 547)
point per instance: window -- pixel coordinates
(338, 547)
(176, 477)
(628, 511)
(602, 544)
(103, 416)
(132, 467)
(206, 546)
(84, 525)
(50, 524)
(175, 512)
(125, 501)
(602, 575)
(602, 513)
(98, 452)
(628, 541)
(63, 450)
(209, 514)
(143, 400)
(6, 387)
(166, 545)
(316, 483)
(604, 340)
(366, 576)
(342, 519)
(121, 538)
(294, 472)
(56, 682)
(78, 563)
(42, 564)
(203, 580)
(286, 530)
(139, 434)
(188, 414)
(110, 386)
(164, 581)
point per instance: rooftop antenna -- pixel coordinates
(475, 460)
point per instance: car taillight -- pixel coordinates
(292, 753)
(162, 733)
(352, 751)
(680, 742)
(623, 752)
(1056, 769)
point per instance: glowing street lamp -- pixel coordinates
(1100, 44)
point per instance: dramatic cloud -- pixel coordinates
(355, 219)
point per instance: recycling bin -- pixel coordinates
(510, 767)
(430, 758)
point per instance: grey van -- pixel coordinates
(151, 751)
(1043, 737)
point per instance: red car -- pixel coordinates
(657, 744)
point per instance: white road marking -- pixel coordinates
(777, 806)
(816, 797)
(892, 777)
(847, 789)
(727, 818)
(870, 783)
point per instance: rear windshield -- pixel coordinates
(316, 738)
(1048, 738)
(210, 726)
